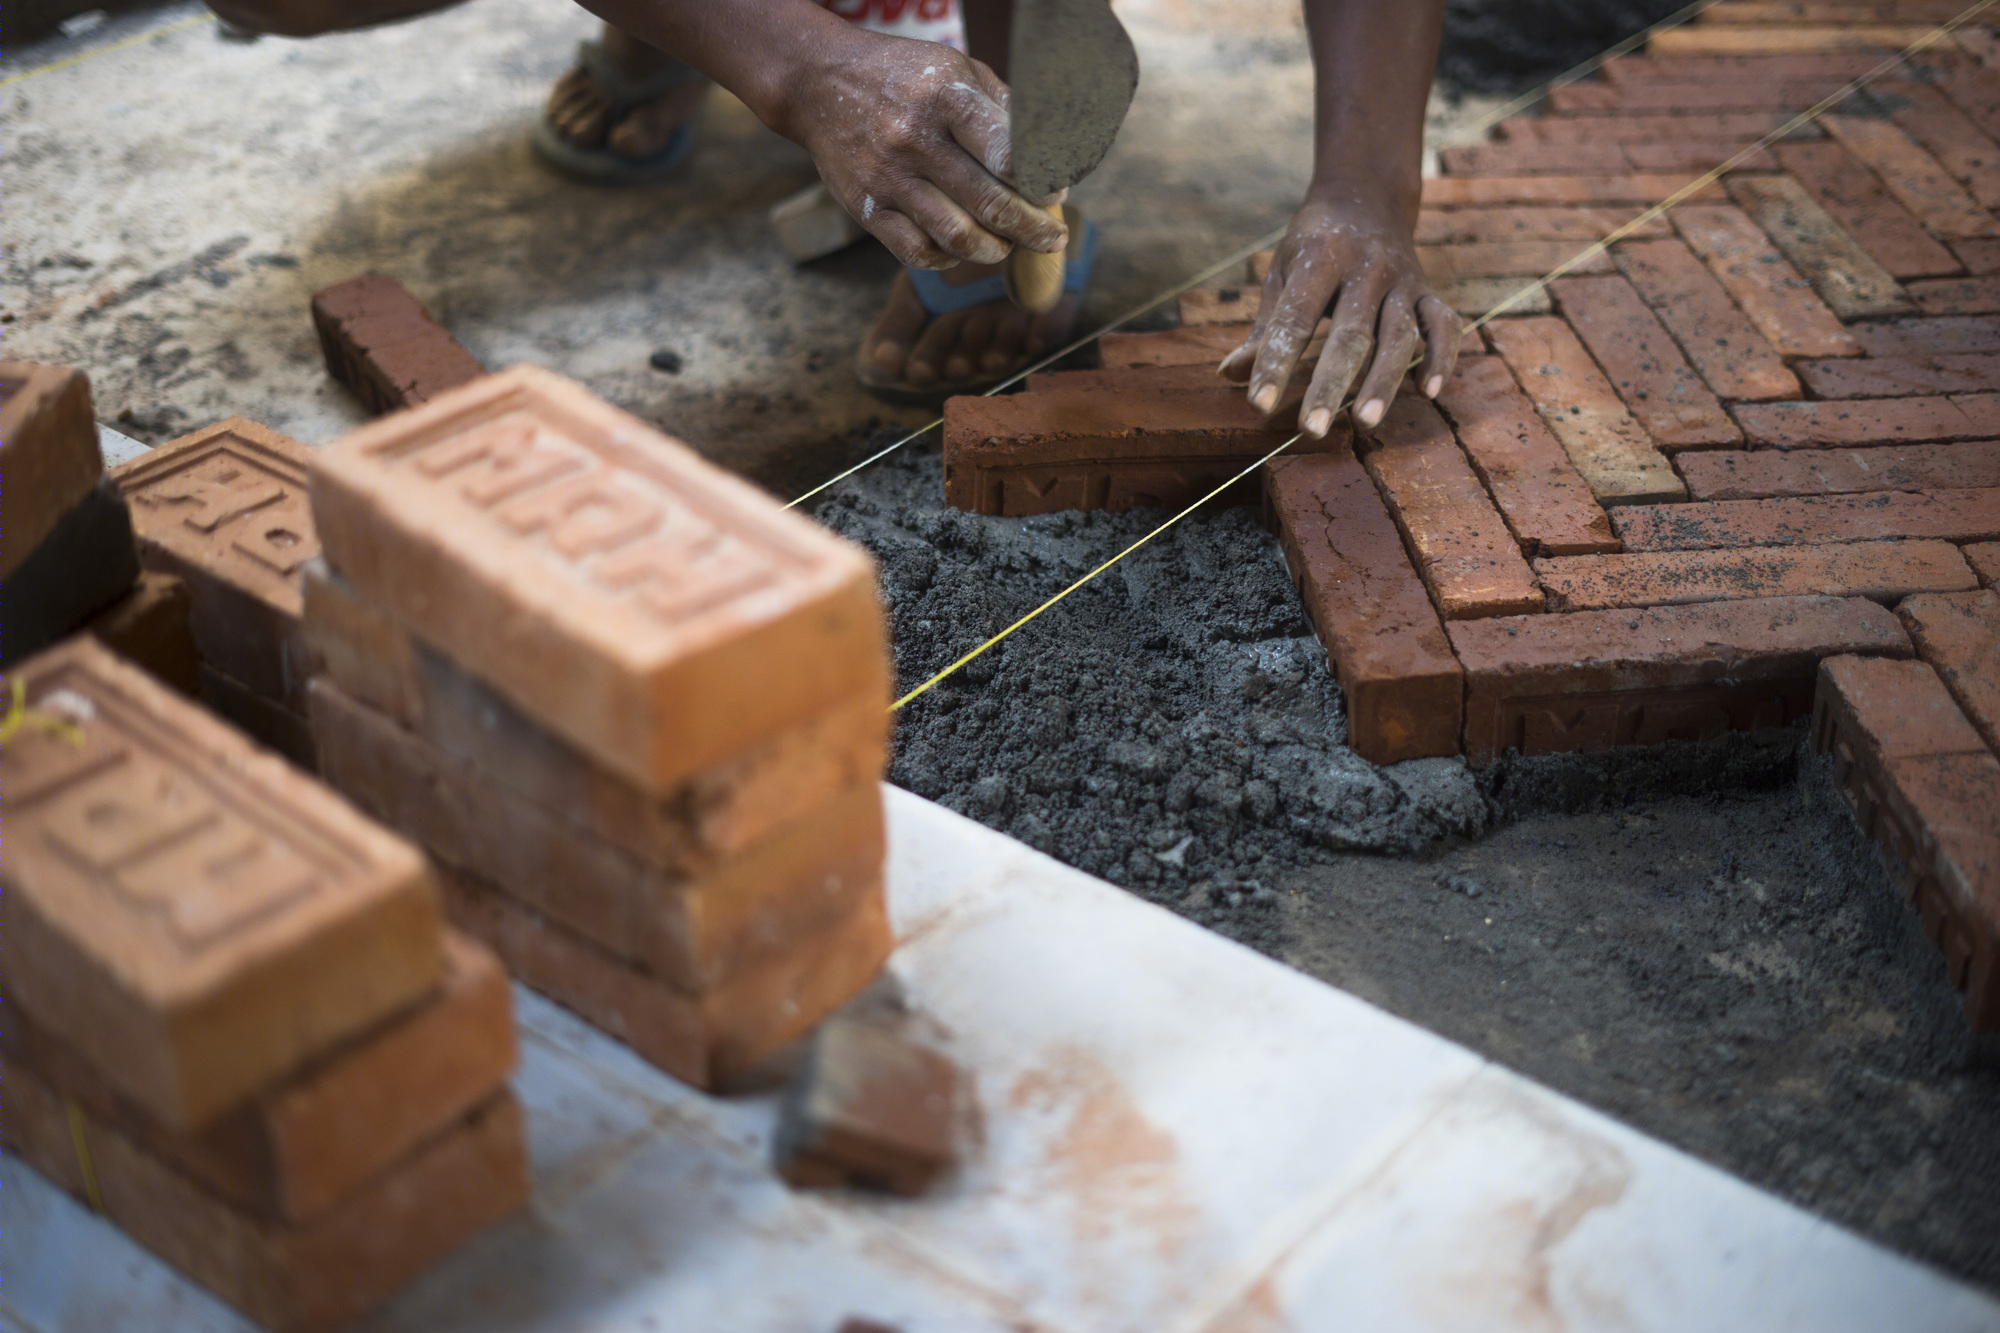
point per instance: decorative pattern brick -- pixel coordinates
(1657, 384)
(1770, 291)
(48, 453)
(1912, 175)
(383, 345)
(1761, 473)
(1846, 276)
(1959, 635)
(1881, 571)
(1883, 421)
(1855, 198)
(1964, 515)
(1719, 339)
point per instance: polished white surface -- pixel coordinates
(1176, 1135)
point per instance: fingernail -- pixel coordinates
(1433, 386)
(1317, 422)
(1371, 411)
(1265, 398)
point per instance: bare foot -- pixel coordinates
(987, 342)
(582, 110)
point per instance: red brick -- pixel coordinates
(1947, 858)
(1218, 305)
(1656, 67)
(1593, 680)
(1478, 298)
(1960, 147)
(1401, 685)
(1982, 44)
(1198, 345)
(1882, 571)
(1884, 421)
(1619, 187)
(1530, 223)
(1445, 264)
(1696, 155)
(713, 815)
(1468, 559)
(1114, 379)
(1770, 291)
(48, 453)
(264, 720)
(85, 564)
(1962, 515)
(1930, 337)
(308, 1143)
(1912, 175)
(1846, 277)
(1583, 99)
(702, 1040)
(1613, 452)
(692, 928)
(656, 612)
(871, 1108)
(149, 627)
(1770, 12)
(1721, 126)
(1544, 499)
(1646, 368)
(312, 1277)
(1718, 338)
(1871, 710)
(1980, 257)
(1984, 557)
(1529, 159)
(382, 344)
(1959, 634)
(1036, 453)
(1957, 296)
(1976, 91)
(1965, 372)
(226, 511)
(1743, 39)
(1753, 475)
(196, 918)
(1855, 198)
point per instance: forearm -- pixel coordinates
(1372, 62)
(309, 18)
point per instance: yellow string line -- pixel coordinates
(1935, 35)
(105, 50)
(21, 718)
(83, 1155)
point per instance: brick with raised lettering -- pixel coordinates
(49, 459)
(1855, 198)
(1616, 456)
(196, 918)
(1659, 387)
(312, 1277)
(1984, 557)
(307, 1143)
(1401, 685)
(1732, 356)
(382, 344)
(1916, 178)
(1760, 473)
(1846, 276)
(1874, 421)
(1959, 634)
(225, 510)
(655, 611)
(1596, 679)
(149, 626)
(1880, 571)
(1545, 500)
(1770, 291)
(1468, 559)
(1956, 516)
(1620, 187)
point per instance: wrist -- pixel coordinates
(1370, 193)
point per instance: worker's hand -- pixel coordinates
(913, 139)
(1354, 258)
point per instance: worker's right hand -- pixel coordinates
(913, 139)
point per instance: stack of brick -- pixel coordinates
(223, 512)
(635, 710)
(234, 1023)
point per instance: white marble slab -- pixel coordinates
(1176, 1135)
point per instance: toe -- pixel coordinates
(902, 322)
(1050, 329)
(927, 359)
(965, 359)
(1003, 350)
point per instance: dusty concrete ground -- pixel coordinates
(1724, 969)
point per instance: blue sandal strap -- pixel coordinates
(941, 298)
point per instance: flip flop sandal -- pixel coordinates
(939, 297)
(599, 165)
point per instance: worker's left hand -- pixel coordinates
(1353, 257)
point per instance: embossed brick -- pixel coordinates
(1881, 571)
(1984, 557)
(1960, 147)
(1959, 634)
(1754, 474)
(1963, 515)
(1770, 291)
(711, 815)
(1957, 296)
(149, 626)
(196, 918)
(1620, 187)
(48, 453)
(691, 926)
(83, 565)
(1400, 682)
(1730, 39)
(658, 613)
(1856, 199)
(1647, 369)
(312, 1277)
(1915, 177)
(1544, 499)
(306, 1144)
(1506, 259)
(225, 510)
(1846, 277)
(1441, 226)
(1878, 421)
(1613, 452)
(1589, 681)
(870, 1107)
(382, 344)
(1950, 335)
(1888, 377)
(1468, 559)
(1732, 356)
(704, 1040)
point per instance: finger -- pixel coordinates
(1349, 344)
(905, 239)
(1307, 290)
(1237, 365)
(979, 125)
(1004, 352)
(990, 83)
(950, 228)
(1444, 333)
(980, 322)
(933, 347)
(996, 207)
(1397, 342)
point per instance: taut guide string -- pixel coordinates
(1583, 256)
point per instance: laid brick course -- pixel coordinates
(1984, 557)
(1620, 187)
(383, 345)
(1691, 123)
(1755, 474)
(1882, 571)
(1916, 178)
(48, 453)
(1734, 39)
(1883, 421)
(1531, 222)
(1942, 808)
(1218, 305)
(1445, 264)
(1957, 296)
(1770, 291)
(1645, 366)
(1959, 635)
(1850, 281)
(1559, 683)
(1725, 347)
(1888, 377)
(1949, 335)
(1870, 710)
(1661, 66)
(1856, 199)
(1956, 515)
(1947, 133)
(1980, 258)
(1583, 99)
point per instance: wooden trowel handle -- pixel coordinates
(1035, 280)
